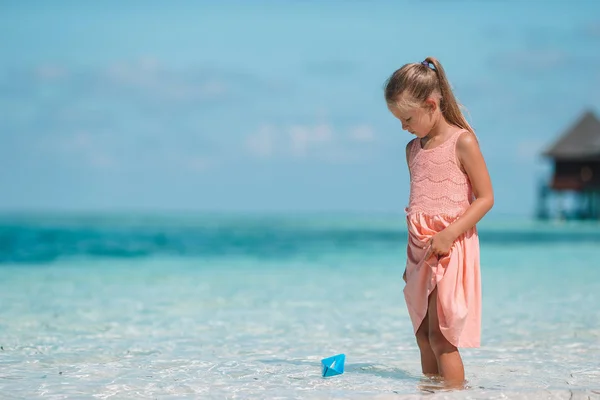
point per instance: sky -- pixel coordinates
(274, 106)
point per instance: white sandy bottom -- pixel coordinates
(195, 328)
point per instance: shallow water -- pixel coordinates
(243, 325)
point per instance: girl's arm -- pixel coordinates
(408, 146)
(470, 157)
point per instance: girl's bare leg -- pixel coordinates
(449, 362)
(429, 363)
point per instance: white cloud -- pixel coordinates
(150, 77)
(362, 133)
(319, 141)
(295, 140)
(305, 138)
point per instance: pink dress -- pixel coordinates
(439, 193)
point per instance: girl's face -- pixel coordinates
(416, 120)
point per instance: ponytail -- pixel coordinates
(449, 106)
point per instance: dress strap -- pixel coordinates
(457, 135)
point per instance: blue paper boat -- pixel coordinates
(333, 365)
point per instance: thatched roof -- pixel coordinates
(580, 142)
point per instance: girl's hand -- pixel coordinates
(440, 244)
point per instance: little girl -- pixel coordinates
(450, 191)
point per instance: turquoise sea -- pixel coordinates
(245, 306)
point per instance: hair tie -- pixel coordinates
(427, 64)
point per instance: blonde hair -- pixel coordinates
(420, 81)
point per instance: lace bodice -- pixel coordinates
(438, 186)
